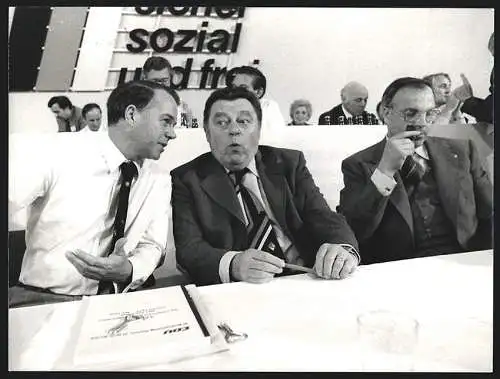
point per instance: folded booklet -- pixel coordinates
(130, 330)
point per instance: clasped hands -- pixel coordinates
(333, 261)
(115, 268)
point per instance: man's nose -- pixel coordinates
(234, 129)
(170, 132)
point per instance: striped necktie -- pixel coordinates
(412, 171)
(260, 232)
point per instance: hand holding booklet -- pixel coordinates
(144, 328)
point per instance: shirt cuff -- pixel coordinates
(385, 184)
(351, 250)
(224, 264)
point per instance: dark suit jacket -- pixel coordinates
(208, 220)
(481, 109)
(384, 225)
(332, 117)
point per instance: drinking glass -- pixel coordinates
(387, 341)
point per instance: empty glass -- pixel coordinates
(387, 341)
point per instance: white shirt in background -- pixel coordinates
(69, 185)
(273, 122)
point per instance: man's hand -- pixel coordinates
(463, 92)
(115, 268)
(255, 266)
(396, 149)
(334, 262)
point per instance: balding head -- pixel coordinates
(354, 96)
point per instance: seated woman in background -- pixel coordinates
(300, 112)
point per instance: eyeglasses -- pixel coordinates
(412, 115)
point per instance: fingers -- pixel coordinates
(320, 257)
(406, 134)
(334, 262)
(465, 80)
(256, 266)
(268, 258)
(78, 259)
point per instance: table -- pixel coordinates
(301, 323)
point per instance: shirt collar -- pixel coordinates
(346, 112)
(113, 156)
(251, 166)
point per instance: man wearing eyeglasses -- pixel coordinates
(411, 195)
(158, 69)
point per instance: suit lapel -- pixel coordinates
(217, 184)
(273, 182)
(445, 162)
(398, 196)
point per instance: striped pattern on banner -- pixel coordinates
(61, 48)
(27, 36)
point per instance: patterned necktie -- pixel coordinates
(128, 172)
(412, 171)
(261, 235)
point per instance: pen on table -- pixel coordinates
(299, 268)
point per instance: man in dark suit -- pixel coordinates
(243, 210)
(352, 109)
(411, 195)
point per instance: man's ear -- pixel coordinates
(259, 92)
(131, 115)
(384, 111)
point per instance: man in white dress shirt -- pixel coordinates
(70, 183)
(92, 115)
(254, 81)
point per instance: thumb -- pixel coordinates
(465, 80)
(120, 247)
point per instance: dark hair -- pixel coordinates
(88, 107)
(62, 101)
(136, 92)
(400, 83)
(429, 78)
(156, 63)
(379, 111)
(259, 80)
(230, 94)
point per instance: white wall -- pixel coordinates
(313, 52)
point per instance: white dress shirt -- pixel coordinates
(69, 184)
(273, 122)
(385, 184)
(252, 182)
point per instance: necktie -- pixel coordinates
(412, 171)
(128, 171)
(261, 235)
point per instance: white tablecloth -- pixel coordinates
(301, 323)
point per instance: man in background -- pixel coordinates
(253, 80)
(69, 117)
(159, 70)
(97, 213)
(354, 97)
(447, 105)
(242, 211)
(411, 195)
(92, 115)
(481, 109)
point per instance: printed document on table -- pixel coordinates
(139, 327)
